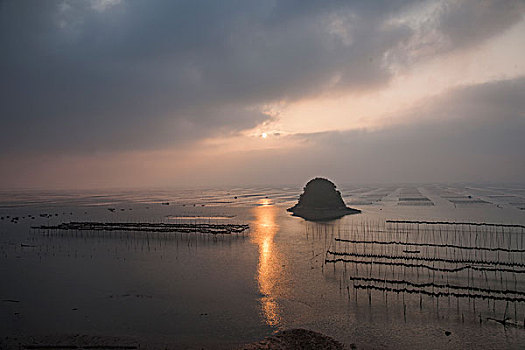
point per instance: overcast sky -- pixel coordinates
(123, 93)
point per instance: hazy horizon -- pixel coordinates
(340, 185)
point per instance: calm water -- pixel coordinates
(193, 289)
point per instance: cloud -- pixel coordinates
(441, 27)
(472, 21)
(103, 5)
(469, 134)
(117, 75)
(473, 133)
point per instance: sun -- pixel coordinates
(264, 135)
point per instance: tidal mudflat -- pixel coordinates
(435, 266)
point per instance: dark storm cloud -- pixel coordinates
(143, 74)
(472, 21)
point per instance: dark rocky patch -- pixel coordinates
(296, 339)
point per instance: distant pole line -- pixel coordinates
(428, 267)
(420, 258)
(444, 245)
(453, 223)
(436, 285)
(439, 294)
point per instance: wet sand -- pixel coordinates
(284, 340)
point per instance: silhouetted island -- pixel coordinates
(321, 201)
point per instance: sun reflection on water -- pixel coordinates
(270, 262)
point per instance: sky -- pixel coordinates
(128, 93)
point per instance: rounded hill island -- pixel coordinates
(321, 201)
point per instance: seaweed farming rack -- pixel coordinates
(204, 228)
(467, 261)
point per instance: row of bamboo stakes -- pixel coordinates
(435, 259)
(207, 228)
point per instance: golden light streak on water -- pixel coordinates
(270, 263)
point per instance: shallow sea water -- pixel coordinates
(200, 290)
